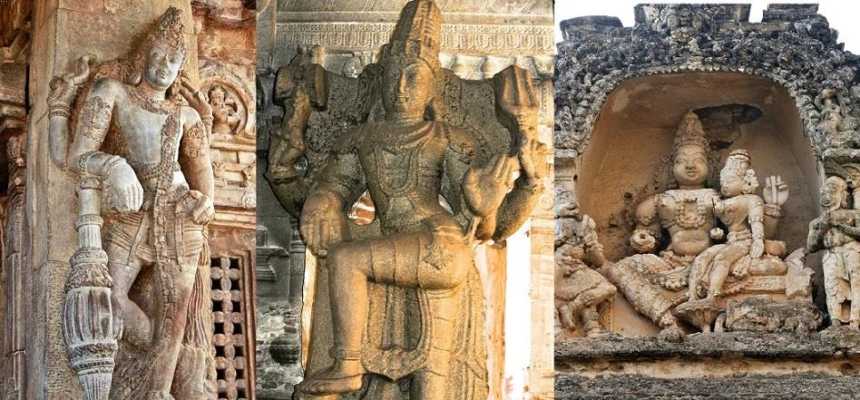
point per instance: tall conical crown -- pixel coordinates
(169, 31)
(691, 133)
(417, 35)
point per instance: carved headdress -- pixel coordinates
(167, 32)
(417, 34)
(739, 163)
(690, 133)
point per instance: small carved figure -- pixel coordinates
(224, 111)
(836, 232)
(579, 289)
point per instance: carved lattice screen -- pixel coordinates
(231, 309)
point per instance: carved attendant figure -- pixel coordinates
(403, 161)
(152, 154)
(224, 112)
(580, 290)
(837, 231)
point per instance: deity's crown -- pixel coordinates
(691, 133)
(417, 33)
(739, 161)
(169, 31)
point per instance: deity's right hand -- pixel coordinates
(322, 223)
(643, 241)
(124, 192)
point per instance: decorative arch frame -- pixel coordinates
(793, 46)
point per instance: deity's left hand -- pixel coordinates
(775, 191)
(485, 187)
(516, 103)
(195, 98)
(203, 209)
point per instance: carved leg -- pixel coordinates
(591, 321)
(722, 265)
(137, 327)
(852, 264)
(832, 266)
(349, 268)
(648, 299)
(165, 365)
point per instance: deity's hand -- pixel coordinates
(124, 192)
(204, 209)
(322, 223)
(775, 191)
(532, 157)
(757, 248)
(516, 103)
(643, 241)
(485, 187)
(194, 98)
(64, 88)
(717, 234)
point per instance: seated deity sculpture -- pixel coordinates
(837, 232)
(656, 286)
(579, 289)
(143, 131)
(744, 252)
(406, 160)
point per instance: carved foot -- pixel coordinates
(335, 379)
(673, 333)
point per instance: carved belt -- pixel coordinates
(739, 235)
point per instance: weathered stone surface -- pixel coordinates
(816, 346)
(806, 386)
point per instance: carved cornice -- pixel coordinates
(794, 47)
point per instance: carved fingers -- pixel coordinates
(485, 187)
(322, 225)
(775, 191)
(757, 249)
(203, 210)
(124, 190)
(64, 88)
(194, 97)
(532, 158)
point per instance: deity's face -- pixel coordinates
(691, 166)
(731, 183)
(832, 194)
(216, 97)
(162, 65)
(407, 88)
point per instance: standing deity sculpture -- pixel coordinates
(419, 266)
(580, 290)
(140, 150)
(837, 232)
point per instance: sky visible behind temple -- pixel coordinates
(842, 14)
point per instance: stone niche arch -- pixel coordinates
(629, 154)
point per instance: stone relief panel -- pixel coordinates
(697, 142)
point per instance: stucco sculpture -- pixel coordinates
(836, 232)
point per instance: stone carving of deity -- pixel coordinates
(406, 160)
(141, 155)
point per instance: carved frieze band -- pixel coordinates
(496, 39)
